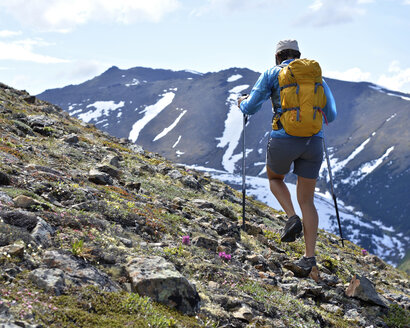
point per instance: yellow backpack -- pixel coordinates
(302, 98)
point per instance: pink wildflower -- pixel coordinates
(364, 252)
(186, 240)
(225, 256)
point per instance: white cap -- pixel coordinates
(287, 44)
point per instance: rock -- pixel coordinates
(113, 160)
(4, 179)
(175, 174)
(149, 168)
(376, 261)
(191, 182)
(78, 271)
(24, 201)
(158, 279)
(30, 99)
(363, 289)
(21, 219)
(229, 243)
(126, 242)
(332, 308)
(40, 121)
(202, 203)
(42, 233)
(110, 170)
(136, 186)
(5, 199)
(100, 178)
(256, 259)
(15, 250)
(354, 316)
(275, 266)
(243, 313)
(72, 139)
(252, 229)
(205, 242)
(51, 280)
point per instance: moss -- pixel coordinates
(397, 317)
(91, 307)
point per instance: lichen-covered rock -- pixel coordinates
(20, 218)
(51, 280)
(204, 242)
(42, 233)
(79, 272)
(153, 276)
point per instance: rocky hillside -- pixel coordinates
(97, 232)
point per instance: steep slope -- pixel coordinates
(192, 119)
(91, 224)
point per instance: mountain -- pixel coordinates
(95, 231)
(192, 118)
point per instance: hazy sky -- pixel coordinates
(52, 43)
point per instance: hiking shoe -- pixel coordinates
(302, 267)
(292, 230)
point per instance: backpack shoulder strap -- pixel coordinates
(272, 90)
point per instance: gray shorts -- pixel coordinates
(305, 153)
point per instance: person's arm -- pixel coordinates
(330, 108)
(259, 94)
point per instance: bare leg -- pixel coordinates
(305, 192)
(280, 191)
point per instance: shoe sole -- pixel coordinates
(291, 235)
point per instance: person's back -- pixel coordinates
(287, 146)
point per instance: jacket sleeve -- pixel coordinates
(330, 108)
(259, 94)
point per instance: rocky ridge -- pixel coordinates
(96, 231)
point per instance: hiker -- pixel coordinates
(300, 144)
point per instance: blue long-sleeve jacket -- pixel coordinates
(262, 91)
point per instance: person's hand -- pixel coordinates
(241, 98)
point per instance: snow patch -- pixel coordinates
(134, 82)
(232, 133)
(233, 78)
(393, 116)
(101, 108)
(168, 129)
(177, 142)
(150, 112)
(365, 169)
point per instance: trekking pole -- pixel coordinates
(245, 120)
(332, 189)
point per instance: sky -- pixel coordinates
(47, 44)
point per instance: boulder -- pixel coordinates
(42, 233)
(99, 177)
(158, 279)
(113, 160)
(14, 250)
(175, 174)
(24, 201)
(51, 280)
(78, 271)
(191, 182)
(21, 219)
(363, 289)
(72, 139)
(4, 179)
(204, 242)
